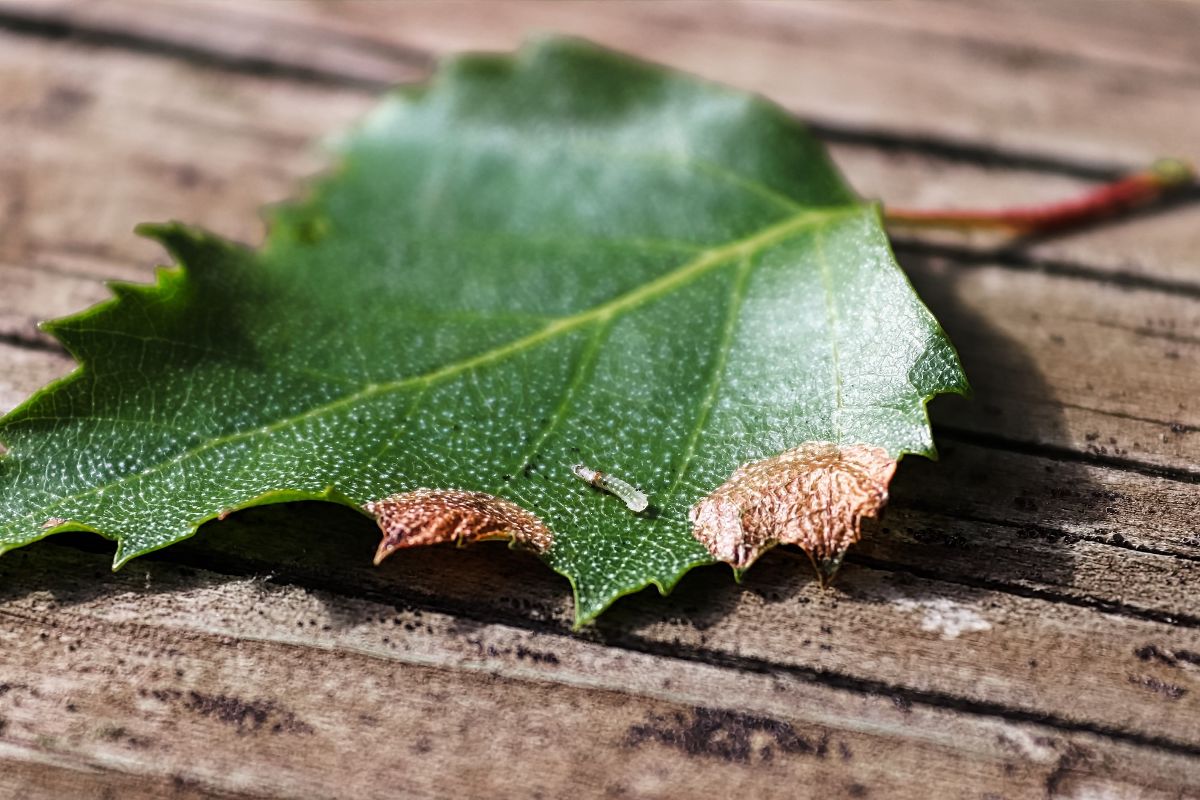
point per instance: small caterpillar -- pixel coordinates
(634, 498)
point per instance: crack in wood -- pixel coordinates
(1020, 261)
(46, 26)
(1056, 453)
(1088, 602)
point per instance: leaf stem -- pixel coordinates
(1131, 191)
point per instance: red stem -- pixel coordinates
(1103, 201)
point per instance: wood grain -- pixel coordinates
(168, 677)
(779, 619)
(1023, 623)
(974, 74)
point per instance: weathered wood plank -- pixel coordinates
(266, 131)
(859, 72)
(1072, 515)
(910, 68)
(31, 773)
(1148, 36)
(910, 181)
(34, 294)
(1029, 559)
(1069, 363)
(93, 146)
(167, 676)
(1089, 571)
(1056, 496)
(781, 619)
(1155, 248)
(23, 371)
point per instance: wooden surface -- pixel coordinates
(1025, 623)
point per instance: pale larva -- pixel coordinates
(634, 498)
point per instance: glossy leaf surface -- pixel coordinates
(555, 258)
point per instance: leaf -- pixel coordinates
(563, 257)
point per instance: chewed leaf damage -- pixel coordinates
(433, 516)
(814, 496)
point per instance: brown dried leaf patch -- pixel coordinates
(814, 496)
(433, 516)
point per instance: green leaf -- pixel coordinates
(565, 256)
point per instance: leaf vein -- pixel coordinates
(832, 315)
(582, 369)
(737, 295)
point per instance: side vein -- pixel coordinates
(735, 302)
(831, 313)
(583, 368)
(741, 282)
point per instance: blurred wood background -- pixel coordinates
(1026, 623)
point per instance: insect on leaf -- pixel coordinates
(532, 262)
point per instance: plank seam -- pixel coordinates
(53, 28)
(910, 696)
(994, 441)
(1087, 602)
(1044, 532)
(1020, 261)
(962, 151)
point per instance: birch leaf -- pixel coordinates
(557, 258)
